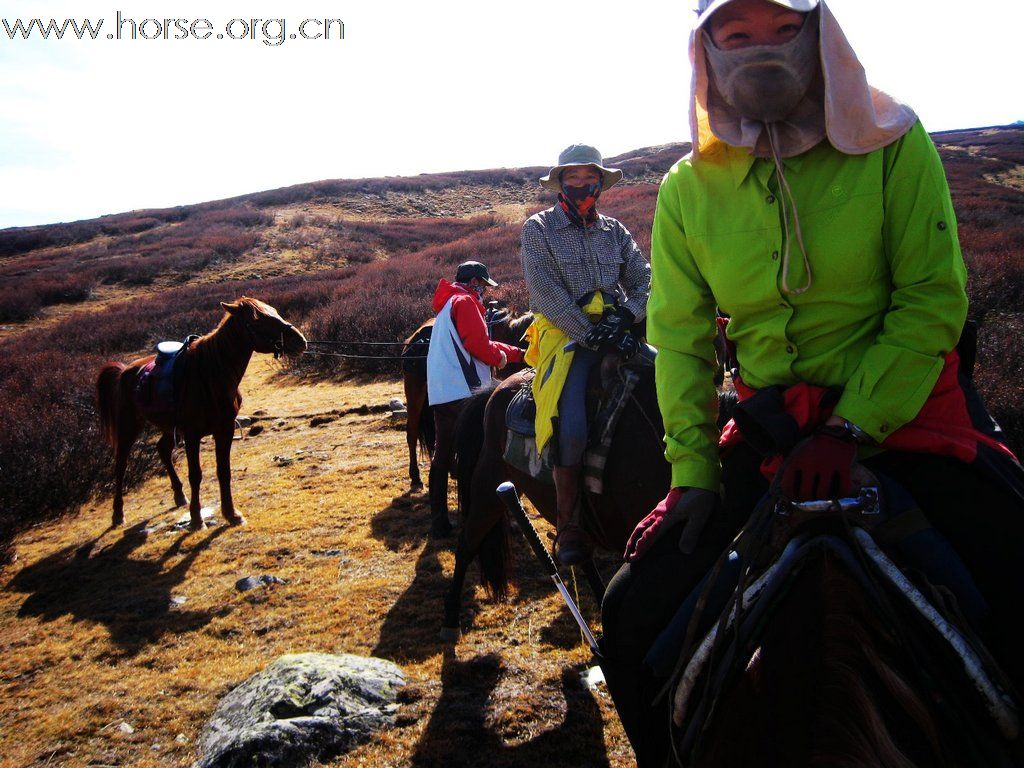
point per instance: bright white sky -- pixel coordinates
(103, 126)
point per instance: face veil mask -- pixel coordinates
(767, 82)
(580, 203)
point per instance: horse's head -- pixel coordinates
(502, 325)
(266, 329)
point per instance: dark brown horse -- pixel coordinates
(207, 400)
(636, 477)
(419, 424)
(832, 680)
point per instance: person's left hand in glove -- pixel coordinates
(819, 467)
(610, 328)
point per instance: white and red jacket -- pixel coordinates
(461, 355)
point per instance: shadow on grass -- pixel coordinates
(404, 523)
(459, 733)
(410, 631)
(130, 596)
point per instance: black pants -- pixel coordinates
(445, 416)
(983, 522)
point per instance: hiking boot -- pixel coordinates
(437, 492)
(572, 544)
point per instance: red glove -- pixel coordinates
(819, 467)
(692, 506)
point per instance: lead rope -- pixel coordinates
(784, 192)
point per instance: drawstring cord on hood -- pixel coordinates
(784, 192)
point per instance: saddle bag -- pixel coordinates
(520, 442)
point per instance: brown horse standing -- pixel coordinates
(419, 424)
(206, 405)
(636, 477)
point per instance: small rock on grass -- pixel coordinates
(206, 513)
(251, 582)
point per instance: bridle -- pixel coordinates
(277, 346)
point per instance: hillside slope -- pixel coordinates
(93, 629)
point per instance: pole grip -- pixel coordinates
(509, 497)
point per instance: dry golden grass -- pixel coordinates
(94, 632)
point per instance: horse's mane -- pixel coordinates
(825, 688)
(248, 301)
(859, 679)
(518, 325)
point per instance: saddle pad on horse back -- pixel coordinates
(157, 388)
(520, 441)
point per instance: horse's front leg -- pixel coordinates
(164, 447)
(195, 478)
(222, 440)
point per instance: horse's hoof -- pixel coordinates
(180, 501)
(196, 526)
(117, 521)
(451, 634)
(235, 519)
(415, 487)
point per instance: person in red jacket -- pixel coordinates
(459, 361)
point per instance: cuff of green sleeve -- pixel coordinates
(866, 415)
(696, 475)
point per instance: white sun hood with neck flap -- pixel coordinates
(858, 118)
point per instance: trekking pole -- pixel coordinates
(509, 497)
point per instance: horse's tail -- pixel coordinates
(496, 559)
(106, 399)
(494, 548)
(427, 432)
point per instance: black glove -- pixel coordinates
(610, 329)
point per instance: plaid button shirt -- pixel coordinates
(563, 262)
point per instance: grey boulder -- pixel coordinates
(301, 707)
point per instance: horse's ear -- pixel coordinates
(230, 308)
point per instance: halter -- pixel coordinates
(277, 347)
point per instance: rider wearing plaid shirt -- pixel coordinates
(588, 284)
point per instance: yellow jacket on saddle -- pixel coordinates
(547, 355)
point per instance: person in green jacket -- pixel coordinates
(813, 211)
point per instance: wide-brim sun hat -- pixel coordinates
(705, 8)
(575, 155)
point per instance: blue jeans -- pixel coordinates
(572, 408)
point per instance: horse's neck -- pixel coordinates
(226, 350)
